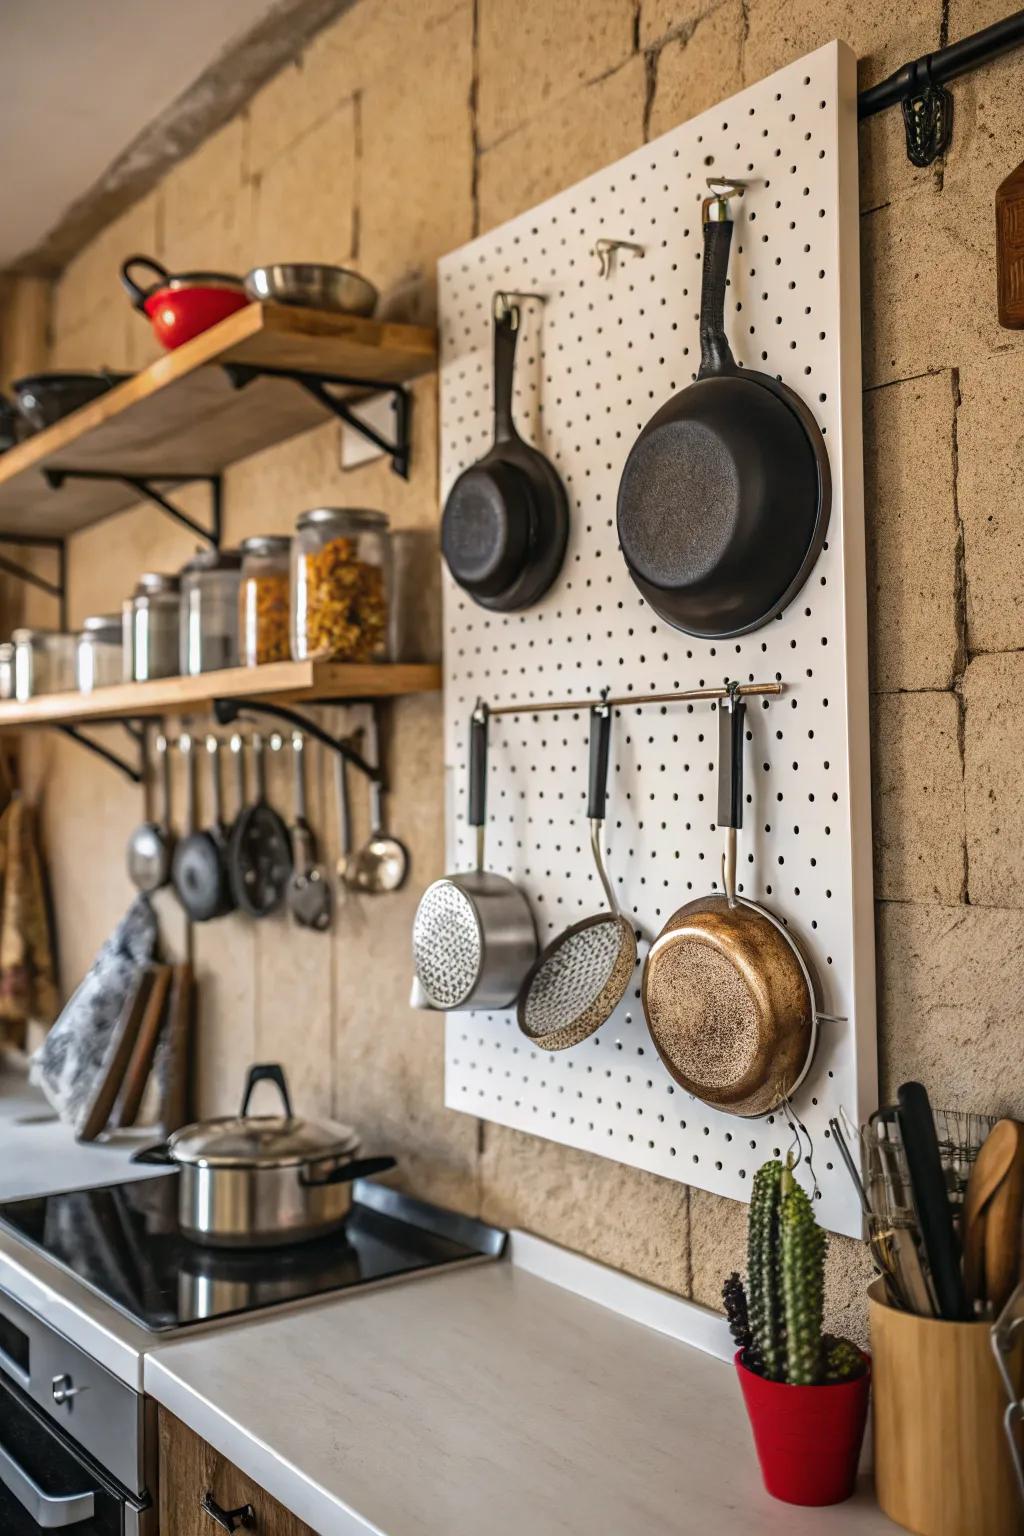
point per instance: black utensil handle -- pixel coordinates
(715, 353)
(140, 295)
(362, 1168)
(158, 1154)
(266, 1072)
(600, 741)
(931, 1202)
(506, 333)
(732, 713)
(478, 727)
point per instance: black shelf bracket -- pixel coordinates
(227, 711)
(145, 486)
(74, 734)
(919, 87)
(317, 385)
(56, 589)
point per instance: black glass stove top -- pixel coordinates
(122, 1240)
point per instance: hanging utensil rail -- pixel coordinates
(687, 696)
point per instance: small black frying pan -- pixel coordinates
(198, 868)
(506, 520)
(259, 851)
(725, 496)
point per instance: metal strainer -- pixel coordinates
(473, 936)
(582, 976)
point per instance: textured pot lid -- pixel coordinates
(261, 1141)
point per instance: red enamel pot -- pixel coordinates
(182, 306)
(808, 1439)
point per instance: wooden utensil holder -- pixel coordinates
(942, 1463)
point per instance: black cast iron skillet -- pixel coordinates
(198, 869)
(259, 851)
(725, 496)
(506, 520)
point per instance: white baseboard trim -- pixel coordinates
(667, 1313)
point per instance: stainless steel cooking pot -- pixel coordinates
(260, 1181)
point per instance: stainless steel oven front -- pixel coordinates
(77, 1445)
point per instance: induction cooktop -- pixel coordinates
(124, 1243)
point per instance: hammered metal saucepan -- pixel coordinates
(730, 999)
(580, 979)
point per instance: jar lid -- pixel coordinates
(102, 623)
(349, 517)
(206, 560)
(6, 650)
(28, 636)
(151, 582)
(266, 544)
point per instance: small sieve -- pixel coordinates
(473, 937)
(581, 977)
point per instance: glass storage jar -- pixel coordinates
(152, 621)
(263, 599)
(99, 649)
(209, 611)
(341, 585)
(6, 670)
(44, 662)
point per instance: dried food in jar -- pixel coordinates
(341, 584)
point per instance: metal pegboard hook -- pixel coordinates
(606, 250)
(506, 302)
(715, 209)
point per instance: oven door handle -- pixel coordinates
(51, 1512)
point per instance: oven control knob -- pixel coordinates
(63, 1389)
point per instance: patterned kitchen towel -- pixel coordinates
(28, 991)
(67, 1062)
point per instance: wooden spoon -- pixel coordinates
(991, 1167)
(1002, 1231)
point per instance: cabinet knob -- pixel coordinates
(242, 1518)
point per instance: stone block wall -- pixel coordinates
(403, 130)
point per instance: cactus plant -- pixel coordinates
(780, 1333)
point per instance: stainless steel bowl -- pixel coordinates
(313, 287)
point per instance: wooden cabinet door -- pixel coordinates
(190, 1470)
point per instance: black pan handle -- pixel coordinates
(506, 333)
(931, 1201)
(158, 1154)
(266, 1072)
(362, 1168)
(715, 353)
(478, 727)
(138, 294)
(600, 740)
(731, 718)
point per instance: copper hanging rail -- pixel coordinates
(689, 695)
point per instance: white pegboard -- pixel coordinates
(595, 361)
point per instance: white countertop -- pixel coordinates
(39, 1155)
(486, 1400)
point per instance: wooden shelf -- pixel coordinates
(283, 682)
(182, 416)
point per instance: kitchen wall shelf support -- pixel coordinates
(56, 589)
(145, 487)
(99, 750)
(229, 710)
(919, 87)
(316, 384)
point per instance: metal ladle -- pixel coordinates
(382, 864)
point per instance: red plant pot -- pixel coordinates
(808, 1439)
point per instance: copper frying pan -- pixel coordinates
(728, 995)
